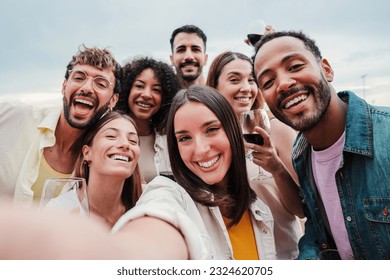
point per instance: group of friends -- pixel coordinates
(122, 127)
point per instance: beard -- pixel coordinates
(189, 77)
(87, 123)
(304, 121)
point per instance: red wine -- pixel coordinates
(254, 139)
(253, 38)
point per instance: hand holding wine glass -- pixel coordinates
(73, 191)
(248, 121)
(255, 30)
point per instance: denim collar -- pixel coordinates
(359, 133)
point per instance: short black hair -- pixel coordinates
(189, 29)
(307, 41)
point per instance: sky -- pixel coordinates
(38, 38)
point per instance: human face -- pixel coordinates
(115, 150)
(83, 104)
(237, 84)
(203, 144)
(188, 56)
(293, 82)
(145, 95)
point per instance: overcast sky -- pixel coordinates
(38, 38)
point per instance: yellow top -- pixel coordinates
(45, 171)
(243, 239)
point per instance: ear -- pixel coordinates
(114, 99)
(206, 57)
(327, 70)
(86, 152)
(63, 86)
(171, 58)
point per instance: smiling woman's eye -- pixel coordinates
(183, 138)
(213, 129)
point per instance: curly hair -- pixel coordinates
(166, 77)
(100, 58)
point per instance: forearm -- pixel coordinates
(288, 190)
(152, 238)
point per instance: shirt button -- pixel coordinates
(257, 212)
(385, 211)
(324, 246)
(265, 231)
(349, 218)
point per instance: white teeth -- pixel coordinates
(120, 157)
(243, 99)
(209, 163)
(144, 105)
(295, 100)
(83, 101)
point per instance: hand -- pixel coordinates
(265, 155)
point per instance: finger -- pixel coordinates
(264, 134)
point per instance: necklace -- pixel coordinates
(108, 220)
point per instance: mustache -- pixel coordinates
(292, 91)
(186, 63)
(88, 95)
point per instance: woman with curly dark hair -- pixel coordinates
(148, 87)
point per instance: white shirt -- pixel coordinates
(203, 227)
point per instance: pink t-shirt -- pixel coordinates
(325, 164)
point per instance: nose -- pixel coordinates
(146, 93)
(123, 143)
(189, 55)
(245, 86)
(88, 85)
(285, 82)
(202, 146)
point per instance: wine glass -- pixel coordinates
(255, 30)
(72, 187)
(248, 121)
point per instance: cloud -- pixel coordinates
(39, 37)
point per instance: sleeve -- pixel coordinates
(308, 245)
(163, 199)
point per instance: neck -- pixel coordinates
(143, 127)
(199, 81)
(66, 136)
(104, 197)
(330, 128)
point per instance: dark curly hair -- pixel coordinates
(165, 75)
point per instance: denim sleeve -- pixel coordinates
(308, 244)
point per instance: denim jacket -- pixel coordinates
(363, 183)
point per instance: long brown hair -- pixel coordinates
(132, 187)
(239, 195)
(220, 62)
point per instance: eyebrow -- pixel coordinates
(117, 130)
(203, 125)
(284, 59)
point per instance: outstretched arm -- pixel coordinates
(155, 239)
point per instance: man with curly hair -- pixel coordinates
(45, 143)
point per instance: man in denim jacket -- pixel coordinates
(341, 155)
